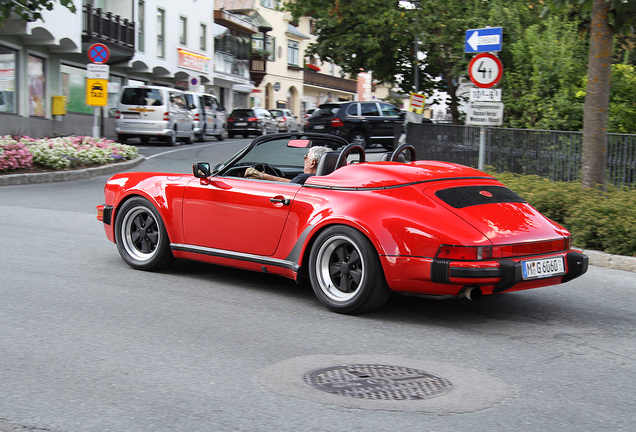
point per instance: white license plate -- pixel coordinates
(319, 127)
(131, 116)
(543, 268)
(240, 124)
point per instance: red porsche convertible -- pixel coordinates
(358, 230)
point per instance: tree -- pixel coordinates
(609, 17)
(29, 10)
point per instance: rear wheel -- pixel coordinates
(171, 139)
(221, 136)
(144, 139)
(190, 138)
(345, 271)
(122, 138)
(360, 138)
(141, 237)
(203, 135)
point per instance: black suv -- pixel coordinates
(358, 122)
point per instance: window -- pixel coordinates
(270, 47)
(292, 52)
(8, 96)
(203, 37)
(312, 27)
(161, 29)
(269, 3)
(37, 84)
(389, 110)
(369, 109)
(183, 30)
(140, 25)
(353, 109)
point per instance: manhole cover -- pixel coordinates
(378, 382)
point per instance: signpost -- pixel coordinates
(484, 40)
(485, 70)
(97, 82)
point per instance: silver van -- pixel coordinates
(154, 112)
(209, 117)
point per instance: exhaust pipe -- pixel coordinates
(473, 293)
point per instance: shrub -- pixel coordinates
(60, 153)
(597, 220)
(14, 155)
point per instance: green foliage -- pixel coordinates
(598, 220)
(29, 10)
(622, 114)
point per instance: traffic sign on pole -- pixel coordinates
(98, 53)
(96, 92)
(485, 70)
(484, 40)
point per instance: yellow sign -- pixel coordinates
(96, 92)
(417, 103)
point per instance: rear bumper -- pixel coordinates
(444, 277)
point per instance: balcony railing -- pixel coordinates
(321, 80)
(100, 26)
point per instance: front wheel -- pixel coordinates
(360, 138)
(345, 271)
(141, 237)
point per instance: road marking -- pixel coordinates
(182, 148)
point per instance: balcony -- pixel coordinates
(327, 81)
(258, 68)
(104, 27)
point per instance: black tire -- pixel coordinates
(144, 139)
(190, 138)
(360, 138)
(171, 139)
(221, 136)
(141, 237)
(203, 135)
(345, 271)
(121, 138)
(246, 135)
(230, 135)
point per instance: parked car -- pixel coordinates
(209, 117)
(250, 121)
(357, 231)
(154, 112)
(361, 123)
(286, 120)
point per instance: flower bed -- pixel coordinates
(60, 153)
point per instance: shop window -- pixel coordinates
(8, 89)
(37, 83)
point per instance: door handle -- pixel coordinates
(283, 201)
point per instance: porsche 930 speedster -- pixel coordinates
(358, 230)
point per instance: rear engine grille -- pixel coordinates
(466, 196)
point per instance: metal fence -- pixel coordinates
(552, 154)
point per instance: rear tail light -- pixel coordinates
(230, 120)
(197, 117)
(252, 119)
(166, 116)
(117, 114)
(475, 253)
(336, 122)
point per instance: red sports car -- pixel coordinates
(358, 230)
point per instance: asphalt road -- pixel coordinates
(88, 344)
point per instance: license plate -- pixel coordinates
(240, 124)
(131, 116)
(319, 127)
(543, 268)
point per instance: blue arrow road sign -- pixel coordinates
(483, 40)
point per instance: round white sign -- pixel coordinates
(485, 70)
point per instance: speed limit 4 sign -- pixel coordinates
(485, 70)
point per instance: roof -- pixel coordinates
(293, 31)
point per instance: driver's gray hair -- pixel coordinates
(316, 153)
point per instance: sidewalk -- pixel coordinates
(599, 259)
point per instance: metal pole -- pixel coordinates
(96, 122)
(482, 147)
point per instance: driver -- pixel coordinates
(312, 158)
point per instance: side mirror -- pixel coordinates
(201, 169)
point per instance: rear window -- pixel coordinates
(326, 110)
(277, 113)
(243, 113)
(142, 96)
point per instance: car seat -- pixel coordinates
(327, 163)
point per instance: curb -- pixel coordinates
(599, 259)
(58, 176)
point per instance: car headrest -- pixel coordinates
(387, 157)
(327, 163)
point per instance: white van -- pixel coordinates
(209, 117)
(154, 112)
